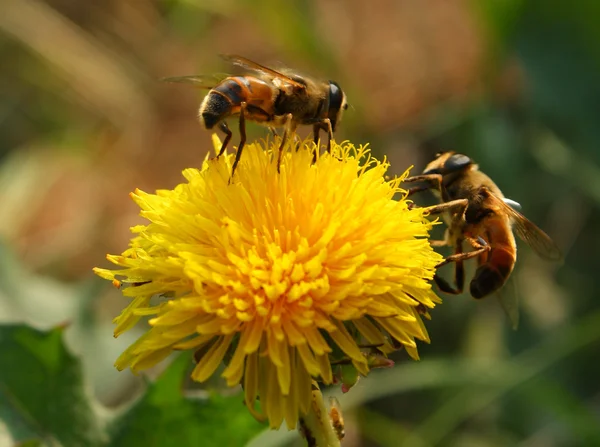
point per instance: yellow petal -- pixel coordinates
(212, 359)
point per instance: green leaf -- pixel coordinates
(165, 417)
(41, 389)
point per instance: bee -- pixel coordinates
(272, 98)
(476, 212)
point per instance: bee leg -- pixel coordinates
(297, 142)
(477, 243)
(327, 122)
(238, 154)
(480, 246)
(416, 189)
(434, 243)
(286, 133)
(316, 131)
(431, 178)
(273, 132)
(460, 205)
(459, 275)
(445, 287)
(228, 133)
(464, 256)
(434, 181)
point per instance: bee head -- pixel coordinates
(337, 104)
(447, 163)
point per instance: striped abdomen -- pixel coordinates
(226, 98)
(496, 265)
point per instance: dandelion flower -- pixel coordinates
(277, 274)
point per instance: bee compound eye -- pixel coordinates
(457, 162)
(336, 96)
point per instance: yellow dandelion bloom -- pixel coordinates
(277, 274)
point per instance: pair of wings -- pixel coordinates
(529, 232)
(210, 81)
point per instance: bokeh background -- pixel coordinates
(514, 84)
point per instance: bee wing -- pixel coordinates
(509, 300)
(255, 66)
(530, 233)
(202, 81)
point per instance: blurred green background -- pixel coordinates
(512, 83)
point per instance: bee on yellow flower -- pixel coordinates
(278, 275)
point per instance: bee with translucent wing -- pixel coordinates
(477, 213)
(269, 97)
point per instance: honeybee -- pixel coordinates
(269, 97)
(476, 212)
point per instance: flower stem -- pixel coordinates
(315, 425)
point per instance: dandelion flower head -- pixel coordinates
(276, 274)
